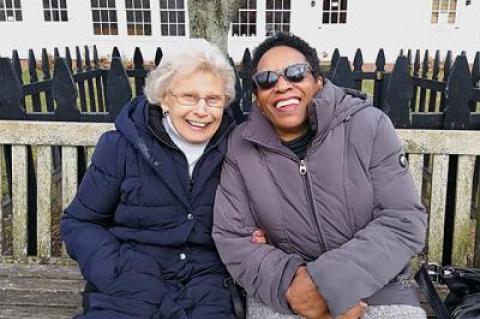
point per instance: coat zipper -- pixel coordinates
(311, 206)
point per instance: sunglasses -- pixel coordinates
(293, 73)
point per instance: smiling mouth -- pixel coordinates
(289, 102)
(197, 124)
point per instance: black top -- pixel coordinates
(300, 144)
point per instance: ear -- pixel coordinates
(320, 82)
(165, 102)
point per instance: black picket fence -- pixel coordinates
(428, 94)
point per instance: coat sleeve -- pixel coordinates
(263, 270)
(85, 220)
(385, 246)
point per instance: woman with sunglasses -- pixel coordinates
(140, 224)
(322, 173)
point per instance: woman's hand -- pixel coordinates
(304, 297)
(259, 237)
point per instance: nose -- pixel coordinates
(283, 84)
(201, 107)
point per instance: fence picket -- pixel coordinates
(118, 87)
(357, 67)
(80, 83)
(90, 87)
(98, 81)
(378, 86)
(341, 74)
(32, 69)
(458, 93)
(64, 93)
(432, 106)
(46, 77)
(423, 91)
(398, 94)
(446, 72)
(138, 66)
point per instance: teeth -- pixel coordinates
(287, 102)
(197, 124)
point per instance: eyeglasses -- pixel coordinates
(293, 73)
(192, 99)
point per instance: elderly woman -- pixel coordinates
(323, 174)
(140, 224)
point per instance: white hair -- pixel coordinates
(193, 55)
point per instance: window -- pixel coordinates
(139, 21)
(245, 22)
(104, 17)
(10, 10)
(277, 16)
(172, 17)
(443, 11)
(334, 11)
(55, 10)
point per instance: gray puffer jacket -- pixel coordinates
(349, 211)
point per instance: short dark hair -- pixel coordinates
(292, 41)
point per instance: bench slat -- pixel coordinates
(44, 201)
(437, 208)
(464, 226)
(69, 177)
(19, 200)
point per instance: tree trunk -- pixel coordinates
(210, 19)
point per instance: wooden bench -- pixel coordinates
(48, 284)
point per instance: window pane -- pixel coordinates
(334, 5)
(435, 5)
(163, 4)
(97, 29)
(434, 17)
(252, 30)
(56, 15)
(55, 4)
(453, 5)
(105, 29)
(243, 17)
(343, 17)
(326, 17)
(269, 17)
(326, 5)
(146, 16)
(63, 4)
(9, 13)
(104, 15)
(286, 28)
(164, 28)
(181, 29)
(286, 4)
(286, 17)
(164, 16)
(148, 29)
(334, 17)
(9, 4)
(181, 16)
(113, 15)
(253, 4)
(46, 15)
(130, 29)
(269, 4)
(17, 4)
(63, 15)
(444, 5)
(111, 3)
(172, 17)
(138, 3)
(128, 4)
(19, 17)
(252, 17)
(103, 4)
(278, 17)
(243, 30)
(343, 5)
(235, 29)
(451, 17)
(113, 28)
(180, 4)
(45, 4)
(278, 4)
(146, 4)
(173, 29)
(139, 29)
(138, 16)
(171, 4)
(94, 3)
(129, 16)
(95, 16)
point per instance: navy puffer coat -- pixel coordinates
(139, 228)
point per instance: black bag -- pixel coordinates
(239, 298)
(463, 299)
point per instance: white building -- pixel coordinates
(326, 24)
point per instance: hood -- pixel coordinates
(330, 106)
